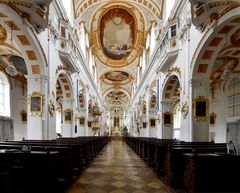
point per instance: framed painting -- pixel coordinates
(89, 124)
(152, 123)
(200, 109)
(68, 116)
(81, 121)
(144, 125)
(23, 115)
(36, 104)
(167, 119)
(212, 119)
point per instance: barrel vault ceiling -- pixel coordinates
(117, 32)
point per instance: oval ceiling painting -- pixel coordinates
(117, 33)
(117, 76)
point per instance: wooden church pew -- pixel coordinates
(54, 160)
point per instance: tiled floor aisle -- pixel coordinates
(117, 169)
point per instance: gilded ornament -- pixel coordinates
(36, 101)
(184, 109)
(176, 70)
(51, 108)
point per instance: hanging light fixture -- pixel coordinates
(10, 68)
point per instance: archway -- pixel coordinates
(90, 117)
(170, 108)
(65, 120)
(24, 63)
(215, 63)
(153, 116)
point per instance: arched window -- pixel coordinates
(234, 98)
(4, 95)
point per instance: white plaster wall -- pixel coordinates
(17, 104)
(219, 107)
(153, 132)
(143, 132)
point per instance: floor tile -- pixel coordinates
(117, 169)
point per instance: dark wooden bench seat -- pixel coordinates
(51, 165)
(167, 156)
(175, 162)
(212, 173)
(25, 172)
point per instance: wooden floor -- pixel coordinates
(117, 169)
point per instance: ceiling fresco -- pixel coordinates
(117, 33)
(116, 95)
(116, 77)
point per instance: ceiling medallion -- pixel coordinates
(117, 33)
(116, 77)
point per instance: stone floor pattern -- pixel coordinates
(117, 169)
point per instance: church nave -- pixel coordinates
(117, 169)
(119, 96)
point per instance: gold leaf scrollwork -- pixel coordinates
(176, 70)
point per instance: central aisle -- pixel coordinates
(117, 169)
